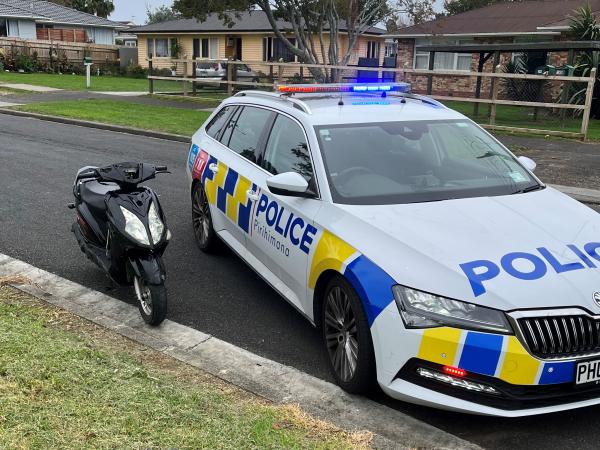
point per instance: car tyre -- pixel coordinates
(347, 337)
(204, 233)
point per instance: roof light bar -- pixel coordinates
(344, 87)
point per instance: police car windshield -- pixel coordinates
(409, 162)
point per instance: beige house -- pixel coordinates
(250, 39)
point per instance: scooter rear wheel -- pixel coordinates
(152, 301)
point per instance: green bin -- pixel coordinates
(565, 71)
(547, 69)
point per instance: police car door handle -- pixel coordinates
(214, 167)
(252, 195)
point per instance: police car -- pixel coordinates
(432, 258)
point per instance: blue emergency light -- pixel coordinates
(344, 87)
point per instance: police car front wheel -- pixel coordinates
(347, 337)
(205, 235)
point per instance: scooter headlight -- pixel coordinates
(134, 227)
(157, 227)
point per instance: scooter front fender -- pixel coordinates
(149, 268)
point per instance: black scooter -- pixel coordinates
(121, 227)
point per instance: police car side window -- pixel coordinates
(214, 128)
(247, 130)
(287, 150)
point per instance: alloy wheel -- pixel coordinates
(341, 333)
(201, 216)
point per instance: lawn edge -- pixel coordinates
(98, 125)
(253, 373)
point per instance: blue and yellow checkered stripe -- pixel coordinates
(227, 189)
(495, 355)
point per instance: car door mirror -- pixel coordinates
(528, 163)
(289, 183)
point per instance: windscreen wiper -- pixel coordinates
(530, 189)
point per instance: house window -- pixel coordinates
(274, 50)
(373, 49)
(13, 28)
(206, 48)
(159, 48)
(443, 60)
(391, 49)
(3, 28)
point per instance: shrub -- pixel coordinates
(136, 71)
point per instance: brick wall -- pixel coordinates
(463, 86)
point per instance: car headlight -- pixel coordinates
(134, 227)
(156, 225)
(422, 310)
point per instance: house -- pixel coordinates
(530, 21)
(251, 38)
(124, 35)
(44, 21)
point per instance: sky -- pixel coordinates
(135, 9)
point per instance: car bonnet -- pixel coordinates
(534, 250)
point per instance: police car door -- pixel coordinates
(230, 168)
(282, 229)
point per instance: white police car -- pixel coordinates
(434, 261)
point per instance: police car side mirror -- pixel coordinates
(528, 163)
(289, 183)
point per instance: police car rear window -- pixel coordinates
(214, 128)
(408, 162)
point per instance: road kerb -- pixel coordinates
(98, 125)
(261, 376)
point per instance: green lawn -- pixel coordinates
(120, 112)
(522, 117)
(77, 82)
(66, 383)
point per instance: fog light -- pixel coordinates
(457, 382)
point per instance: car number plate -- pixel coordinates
(587, 372)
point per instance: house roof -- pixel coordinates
(249, 21)
(506, 18)
(51, 12)
(13, 11)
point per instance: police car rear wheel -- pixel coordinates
(347, 337)
(205, 235)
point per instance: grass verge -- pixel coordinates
(66, 383)
(120, 112)
(523, 117)
(77, 82)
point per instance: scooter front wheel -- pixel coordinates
(152, 301)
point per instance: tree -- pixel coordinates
(453, 7)
(100, 8)
(160, 14)
(310, 21)
(419, 11)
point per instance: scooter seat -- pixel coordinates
(93, 194)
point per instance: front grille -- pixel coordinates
(561, 336)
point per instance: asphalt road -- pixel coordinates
(217, 294)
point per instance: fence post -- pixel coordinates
(279, 74)
(229, 78)
(495, 89)
(185, 75)
(194, 69)
(430, 76)
(589, 94)
(150, 80)
(302, 74)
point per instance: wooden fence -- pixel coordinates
(277, 75)
(72, 52)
